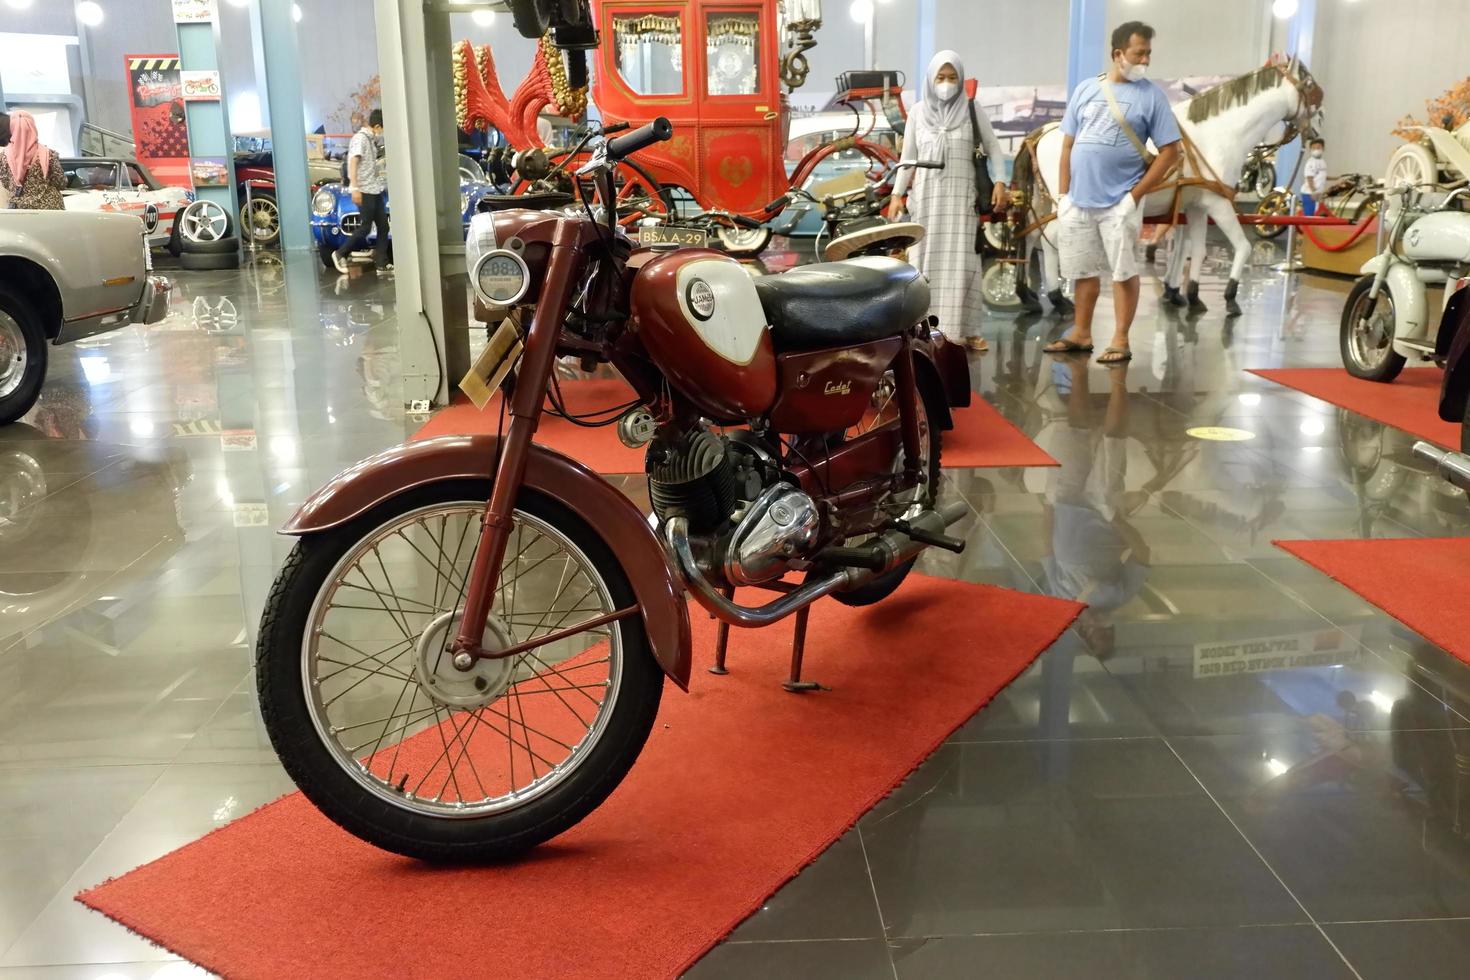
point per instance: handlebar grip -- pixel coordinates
(644, 136)
(616, 128)
(776, 205)
(744, 222)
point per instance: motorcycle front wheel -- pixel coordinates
(1366, 334)
(381, 731)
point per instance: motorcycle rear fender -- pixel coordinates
(620, 524)
(1411, 314)
(1453, 345)
(944, 367)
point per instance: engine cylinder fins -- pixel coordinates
(691, 476)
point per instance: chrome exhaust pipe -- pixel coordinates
(1454, 467)
(896, 547)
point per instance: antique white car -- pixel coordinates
(1440, 157)
(65, 276)
(126, 187)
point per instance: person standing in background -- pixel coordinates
(1106, 173)
(30, 172)
(943, 128)
(1314, 177)
(368, 183)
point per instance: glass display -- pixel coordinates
(650, 52)
(732, 53)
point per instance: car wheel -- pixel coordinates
(211, 261)
(221, 247)
(203, 221)
(22, 356)
(260, 219)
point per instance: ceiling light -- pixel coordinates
(1284, 8)
(861, 10)
(296, 12)
(19, 4)
(483, 18)
(90, 13)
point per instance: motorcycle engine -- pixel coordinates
(750, 524)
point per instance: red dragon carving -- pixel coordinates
(480, 101)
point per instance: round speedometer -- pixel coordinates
(501, 277)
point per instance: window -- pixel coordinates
(650, 50)
(92, 176)
(136, 175)
(732, 52)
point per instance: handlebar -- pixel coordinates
(921, 164)
(644, 136)
(616, 128)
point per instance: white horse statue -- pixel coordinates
(1222, 124)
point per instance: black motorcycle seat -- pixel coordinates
(838, 304)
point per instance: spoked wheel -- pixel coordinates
(1366, 334)
(380, 729)
(261, 219)
(884, 410)
(1265, 175)
(1275, 204)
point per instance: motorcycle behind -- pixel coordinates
(464, 653)
(1386, 319)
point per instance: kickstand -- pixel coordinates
(722, 638)
(798, 649)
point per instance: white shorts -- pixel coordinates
(1092, 241)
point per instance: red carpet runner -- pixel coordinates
(1411, 402)
(981, 436)
(1418, 581)
(740, 786)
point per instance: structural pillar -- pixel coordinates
(1300, 30)
(282, 80)
(209, 122)
(1087, 41)
(924, 38)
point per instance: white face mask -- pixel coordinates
(1317, 154)
(1132, 72)
(946, 90)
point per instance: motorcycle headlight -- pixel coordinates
(500, 277)
(324, 202)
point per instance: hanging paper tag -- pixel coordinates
(493, 363)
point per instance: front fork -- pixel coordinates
(525, 415)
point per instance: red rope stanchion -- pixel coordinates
(1358, 230)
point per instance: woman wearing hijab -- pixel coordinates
(940, 129)
(29, 171)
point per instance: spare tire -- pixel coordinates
(209, 262)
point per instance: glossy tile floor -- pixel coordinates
(1151, 799)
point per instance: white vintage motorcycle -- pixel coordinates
(1386, 319)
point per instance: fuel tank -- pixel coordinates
(698, 315)
(1443, 236)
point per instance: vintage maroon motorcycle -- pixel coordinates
(464, 653)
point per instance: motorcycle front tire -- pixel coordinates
(1393, 362)
(312, 765)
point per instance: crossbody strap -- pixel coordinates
(975, 132)
(1122, 120)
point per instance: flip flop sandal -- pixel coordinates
(1115, 355)
(1068, 347)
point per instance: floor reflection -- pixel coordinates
(1229, 760)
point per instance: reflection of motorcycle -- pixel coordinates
(1385, 319)
(462, 656)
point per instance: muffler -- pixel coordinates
(894, 547)
(1454, 467)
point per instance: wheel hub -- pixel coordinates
(476, 687)
(12, 355)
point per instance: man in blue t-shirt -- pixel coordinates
(1104, 179)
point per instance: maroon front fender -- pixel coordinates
(363, 486)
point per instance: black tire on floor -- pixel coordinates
(313, 765)
(33, 335)
(228, 244)
(886, 584)
(1392, 363)
(175, 243)
(205, 262)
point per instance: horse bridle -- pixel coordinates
(1309, 95)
